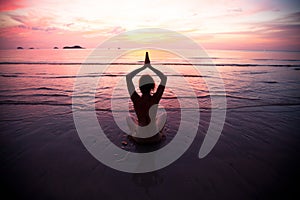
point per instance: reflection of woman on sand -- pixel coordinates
(145, 106)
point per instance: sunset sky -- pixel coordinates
(215, 24)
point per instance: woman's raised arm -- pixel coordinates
(163, 78)
(129, 77)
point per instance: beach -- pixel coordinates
(256, 156)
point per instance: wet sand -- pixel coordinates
(257, 157)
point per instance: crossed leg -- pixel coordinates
(133, 127)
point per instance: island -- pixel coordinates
(55, 47)
(73, 47)
(19, 47)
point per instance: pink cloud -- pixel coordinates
(229, 24)
(47, 37)
(32, 19)
(8, 5)
(117, 30)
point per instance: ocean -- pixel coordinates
(256, 156)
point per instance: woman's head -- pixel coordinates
(146, 84)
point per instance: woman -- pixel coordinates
(145, 106)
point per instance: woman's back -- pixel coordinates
(146, 105)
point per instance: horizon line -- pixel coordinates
(118, 48)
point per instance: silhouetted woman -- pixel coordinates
(148, 129)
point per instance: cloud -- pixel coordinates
(287, 26)
(281, 34)
(219, 21)
(29, 23)
(37, 28)
(291, 18)
(69, 24)
(12, 37)
(19, 18)
(8, 5)
(235, 10)
(117, 30)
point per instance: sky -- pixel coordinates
(215, 24)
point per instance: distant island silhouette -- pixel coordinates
(20, 48)
(55, 47)
(73, 47)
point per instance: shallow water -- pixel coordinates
(256, 153)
